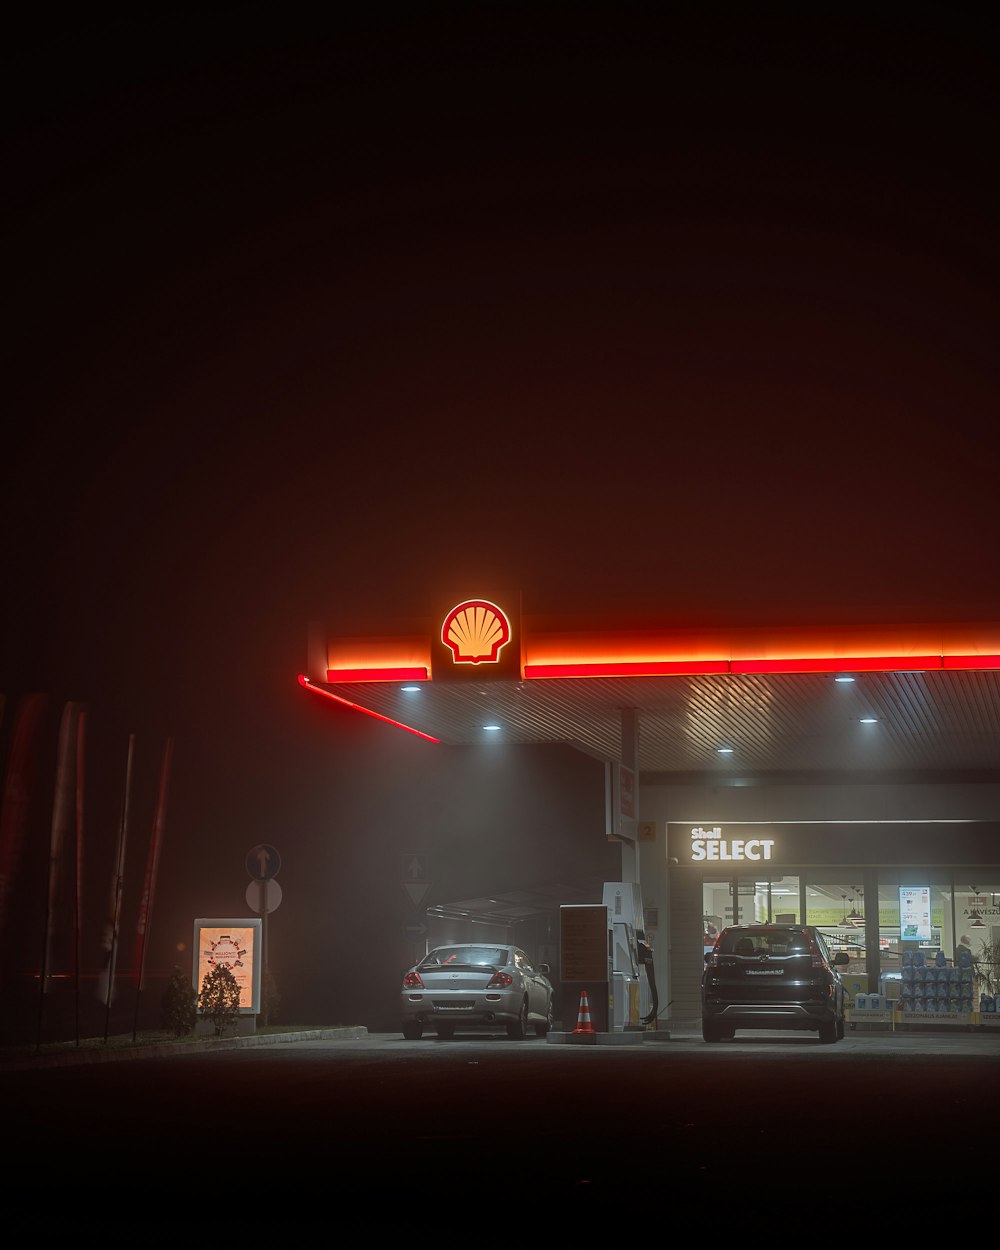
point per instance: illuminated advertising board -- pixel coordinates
(915, 913)
(236, 944)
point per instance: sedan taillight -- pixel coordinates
(499, 981)
(412, 981)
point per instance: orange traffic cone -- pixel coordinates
(583, 1024)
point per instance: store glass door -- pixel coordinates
(748, 900)
(776, 901)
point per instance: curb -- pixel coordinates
(163, 1050)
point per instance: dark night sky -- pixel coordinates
(653, 305)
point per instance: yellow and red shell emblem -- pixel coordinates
(475, 631)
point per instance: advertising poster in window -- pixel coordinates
(915, 913)
(236, 944)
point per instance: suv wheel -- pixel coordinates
(829, 1032)
(710, 1031)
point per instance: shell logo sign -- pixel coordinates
(476, 631)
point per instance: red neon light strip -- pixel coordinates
(376, 674)
(837, 664)
(627, 668)
(308, 685)
(844, 664)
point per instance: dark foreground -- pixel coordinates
(316, 1135)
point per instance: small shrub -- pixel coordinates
(179, 1005)
(220, 998)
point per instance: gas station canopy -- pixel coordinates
(896, 700)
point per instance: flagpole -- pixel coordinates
(80, 734)
(146, 910)
(117, 887)
(60, 806)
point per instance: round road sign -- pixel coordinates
(263, 862)
(267, 893)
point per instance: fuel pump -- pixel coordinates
(646, 962)
(633, 986)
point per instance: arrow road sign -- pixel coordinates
(263, 862)
(416, 881)
(415, 868)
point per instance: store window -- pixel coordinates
(837, 907)
(977, 922)
(977, 929)
(915, 915)
(936, 914)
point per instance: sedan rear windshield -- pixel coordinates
(765, 942)
(495, 956)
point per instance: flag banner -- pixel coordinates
(22, 768)
(152, 863)
(112, 924)
(62, 810)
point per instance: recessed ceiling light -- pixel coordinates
(491, 728)
(843, 677)
(725, 750)
(409, 689)
(869, 720)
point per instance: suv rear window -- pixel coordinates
(763, 942)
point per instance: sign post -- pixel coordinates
(263, 862)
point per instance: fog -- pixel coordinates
(673, 314)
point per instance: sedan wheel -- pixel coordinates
(413, 1030)
(519, 1028)
(542, 1028)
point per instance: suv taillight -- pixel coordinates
(499, 981)
(412, 981)
(712, 960)
(817, 958)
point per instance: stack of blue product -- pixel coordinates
(937, 988)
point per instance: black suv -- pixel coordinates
(772, 976)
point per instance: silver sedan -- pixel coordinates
(480, 984)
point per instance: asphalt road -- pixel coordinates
(422, 1137)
